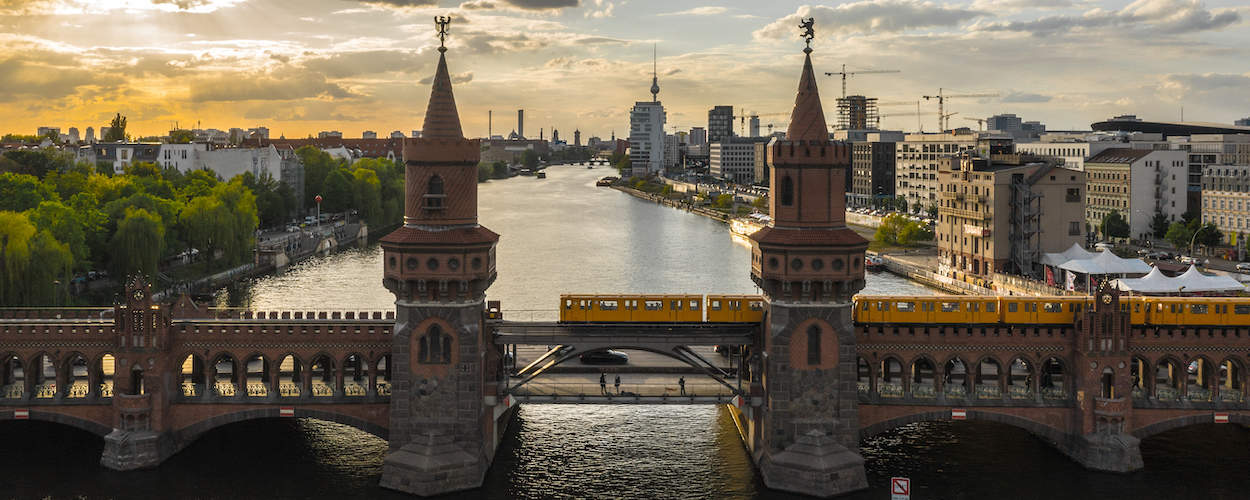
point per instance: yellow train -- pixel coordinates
(1214, 311)
(661, 308)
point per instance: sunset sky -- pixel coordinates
(300, 66)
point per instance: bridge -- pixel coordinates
(431, 377)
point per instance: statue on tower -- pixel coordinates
(809, 32)
(441, 23)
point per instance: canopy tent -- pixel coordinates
(1191, 281)
(1107, 262)
(1075, 252)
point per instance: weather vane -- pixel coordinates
(808, 32)
(441, 22)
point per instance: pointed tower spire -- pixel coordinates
(807, 120)
(655, 79)
(442, 121)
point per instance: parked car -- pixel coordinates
(608, 357)
(1243, 267)
(1185, 259)
(1104, 247)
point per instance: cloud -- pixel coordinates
(867, 16)
(1150, 16)
(1188, 84)
(284, 86)
(698, 11)
(1025, 97)
(402, 3)
(455, 78)
(514, 4)
(27, 77)
(351, 64)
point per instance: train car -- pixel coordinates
(667, 308)
(1191, 311)
(893, 309)
(735, 308)
(630, 308)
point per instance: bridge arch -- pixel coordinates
(1056, 437)
(76, 386)
(188, 434)
(83, 424)
(1186, 421)
(630, 347)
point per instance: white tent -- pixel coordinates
(1075, 252)
(1191, 281)
(1107, 262)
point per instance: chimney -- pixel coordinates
(520, 123)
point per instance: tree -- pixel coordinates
(1114, 225)
(933, 212)
(530, 159)
(900, 204)
(897, 229)
(15, 234)
(725, 200)
(39, 162)
(240, 208)
(275, 201)
(66, 225)
(117, 129)
(47, 279)
(1159, 225)
(367, 195)
(138, 244)
(1179, 235)
(181, 136)
(760, 203)
(337, 192)
(21, 192)
(317, 166)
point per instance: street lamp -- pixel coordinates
(318, 200)
(1193, 238)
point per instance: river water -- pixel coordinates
(563, 235)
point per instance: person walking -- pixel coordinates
(618, 384)
(682, 383)
(603, 384)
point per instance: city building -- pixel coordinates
(857, 112)
(762, 171)
(119, 154)
(872, 168)
(520, 124)
(1226, 201)
(733, 159)
(46, 131)
(916, 160)
(577, 137)
(753, 126)
(1210, 150)
(720, 123)
(353, 149)
(397, 134)
(1073, 149)
(1017, 128)
(229, 162)
(698, 136)
(257, 133)
(672, 151)
(1244, 122)
(184, 157)
(328, 134)
(510, 150)
(999, 211)
(1137, 183)
(368, 134)
(416, 134)
(646, 134)
(90, 135)
(73, 135)
(211, 136)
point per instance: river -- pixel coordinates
(562, 235)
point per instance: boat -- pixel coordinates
(526, 171)
(541, 174)
(589, 166)
(745, 226)
(606, 181)
(874, 262)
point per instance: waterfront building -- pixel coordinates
(916, 160)
(672, 151)
(872, 168)
(733, 159)
(1000, 211)
(720, 123)
(1226, 201)
(762, 170)
(1137, 183)
(646, 134)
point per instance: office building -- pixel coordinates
(872, 168)
(916, 160)
(733, 159)
(720, 123)
(1137, 183)
(646, 134)
(753, 126)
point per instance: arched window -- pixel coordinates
(787, 191)
(434, 194)
(434, 347)
(813, 345)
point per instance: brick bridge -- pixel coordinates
(429, 376)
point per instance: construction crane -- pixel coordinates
(943, 122)
(845, 74)
(980, 123)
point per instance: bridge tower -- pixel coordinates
(439, 264)
(1104, 386)
(802, 427)
(144, 383)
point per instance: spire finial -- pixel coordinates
(808, 33)
(655, 79)
(441, 23)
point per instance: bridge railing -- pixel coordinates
(645, 389)
(95, 313)
(245, 314)
(531, 314)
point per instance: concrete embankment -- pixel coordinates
(679, 204)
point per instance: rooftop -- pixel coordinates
(1119, 155)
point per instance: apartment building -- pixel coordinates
(916, 160)
(1226, 200)
(1137, 183)
(873, 168)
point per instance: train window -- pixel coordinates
(713, 305)
(950, 307)
(757, 305)
(974, 307)
(607, 305)
(867, 306)
(585, 304)
(694, 305)
(735, 305)
(674, 305)
(990, 307)
(653, 305)
(1198, 309)
(568, 303)
(1012, 306)
(1173, 308)
(1051, 307)
(1136, 308)
(1241, 309)
(905, 306)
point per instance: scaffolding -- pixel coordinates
(857, 112)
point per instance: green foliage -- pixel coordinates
(138, 243)
(529, 159)
(21, 192)
(933, 212)
(275, 201)
(1114, 225)
(1159, 225)
(900, 204)
(64, 224)
(27, 139)
(143, 169)
(181, 136)
(36, 267)
(725, 200)
(1178, 234)
(898, 230)
(760, 203)
(37, 162)
(337, 193)
(117, 130)
(317, 166)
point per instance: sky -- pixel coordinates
(302, 66)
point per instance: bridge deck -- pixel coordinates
(623, 334)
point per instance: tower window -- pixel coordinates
(787, 191)
(434, 194)
(434, 347)
(813, 345)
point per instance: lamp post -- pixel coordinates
(1193, 238)
(318, 200)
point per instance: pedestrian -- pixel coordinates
(618, 384)
(681, 382)
(603, 383)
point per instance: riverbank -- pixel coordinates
(678, 204)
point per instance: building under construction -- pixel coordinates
(857, 112)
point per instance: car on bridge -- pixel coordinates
(608, 357)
